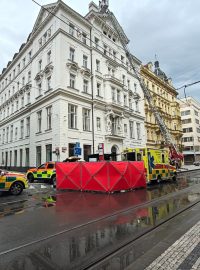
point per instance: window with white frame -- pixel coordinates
(30, 55)
(72, 116)
(71, 29)
(138, 129)
(128, 84)
(125, 100)
(105, 50)
(49, 83)
(28, 126)
(98, 123)
(118, 96)
(29, 76)
(125, 129)
(98, 65)
(71, 54)
(39, 89)
(40, 42)
(22, 101)
(21, 129)
(28, 97)
(84, 38)
(49, 57)
(85, 61)
(113, 94)
(49, 117)
(17, 105)
(11, 133)
(7, 134)
(135, 87)
(85, 86)
(72, 80)
(98, 89)
(13, 89)
(40, 65)
(16, 133)
(39, 121)
(86, 119)
(131, 126)
(3, 136)
(96, 40)
(137, 106)
(24, 61)
(18, 68)
(12, 108)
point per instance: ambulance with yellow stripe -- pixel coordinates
(156, 163)
(46, 172)
(12, 182)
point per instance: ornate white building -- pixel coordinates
(69, 83)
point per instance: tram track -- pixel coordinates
(102, 262)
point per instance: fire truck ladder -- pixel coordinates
(163, 128)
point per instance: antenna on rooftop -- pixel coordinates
(103, 5)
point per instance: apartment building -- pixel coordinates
(165, 99)
(190, 117)
(69, 84)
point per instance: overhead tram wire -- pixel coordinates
(76, 30)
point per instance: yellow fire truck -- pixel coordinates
(156, 163)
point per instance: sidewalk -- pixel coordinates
(188, 168)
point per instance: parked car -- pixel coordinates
(196, 163)
(13, 182)
(46, 172)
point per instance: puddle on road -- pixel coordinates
(76, 248)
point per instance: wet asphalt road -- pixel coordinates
(42, 229)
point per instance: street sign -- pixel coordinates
(77, 151)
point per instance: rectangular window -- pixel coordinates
(20, 157)
(28, 97)
(187, 121)
(118, 96)
(187, 130)
(84, 38)
(185, 113)
(21, 129)
(48, 152)
(137, 106)
(49, 117)
(98, 89)
(40, 65)
(131, 125)
(125, 129)
(29, 76)
(105, 50)
(96, 40)
(16, 134)
(71, 29)
(7, 134)
(125, 100)
(138, 128)
(18, 68)
(3, 136)
(49, 57)
(72, 116)
(122, 59)
(85, 86)
(113, 95)
(86, 120)
(39, 89)
(197, 121)
(27, 157)
(49, 83)
(98, 65)
(30, 55)
(71, 54)
(72, 80)
(196, 113)
(27, 126)
(98, 123)
(39, 121)
(86, 151)
(22, 102)
(11, 133)
(15, 158)
(85, 61)
(24, 61)
(40, 42)
(38, 155)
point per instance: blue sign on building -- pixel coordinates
(77, 151)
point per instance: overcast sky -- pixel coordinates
(169, 29)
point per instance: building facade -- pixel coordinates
(69, 84)
(164, 97)
(190, 117)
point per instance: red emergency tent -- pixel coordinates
(100, 176)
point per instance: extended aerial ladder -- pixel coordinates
(174, 155)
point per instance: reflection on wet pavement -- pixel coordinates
(78, 248)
